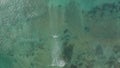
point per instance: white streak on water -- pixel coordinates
(56, 52)
(56, 46)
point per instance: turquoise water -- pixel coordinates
(6, 62)
(59, 34)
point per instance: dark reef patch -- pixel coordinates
(86, 29)
(106, 8)
(67, 52)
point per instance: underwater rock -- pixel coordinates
(99, 50)
(116, 48)
(73, 66)
(67, 52)
(86, 29)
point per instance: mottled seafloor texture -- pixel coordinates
(59, 33)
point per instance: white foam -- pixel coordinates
(59, 63)
(55, 36)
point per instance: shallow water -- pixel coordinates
(59, 34)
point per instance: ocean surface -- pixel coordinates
(59, 33)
